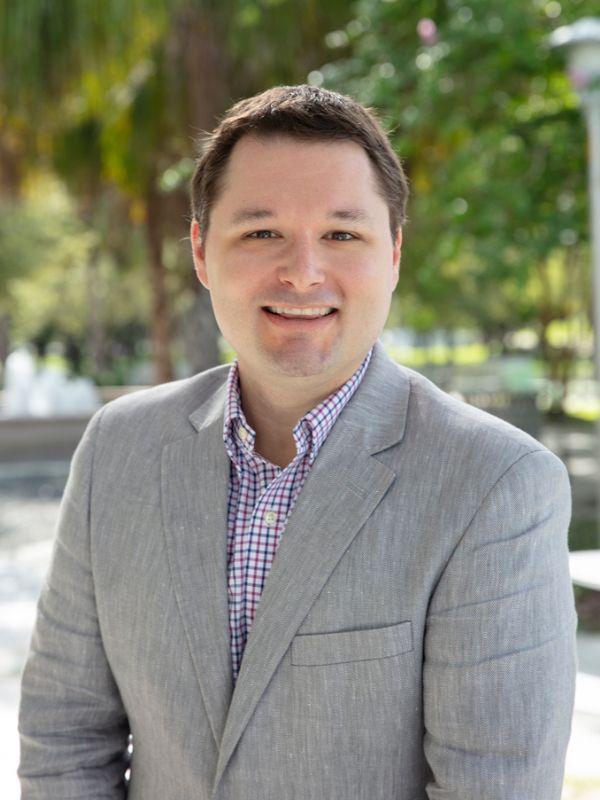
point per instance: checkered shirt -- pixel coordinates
(261, 497)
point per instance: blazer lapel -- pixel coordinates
(195, 478)
(344, 487)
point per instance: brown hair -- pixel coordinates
(303, 112)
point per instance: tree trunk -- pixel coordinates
(200, 333)
(205, 64)
(162, 363)
(10, 166)
(4, 341)
(95, 329)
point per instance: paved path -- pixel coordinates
(29, 502)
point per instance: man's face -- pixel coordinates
(299, 259)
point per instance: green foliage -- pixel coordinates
(35, 233)
(49, 47)
(58, 285)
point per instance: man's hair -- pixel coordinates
(309, 114)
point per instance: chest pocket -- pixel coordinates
(315, 649)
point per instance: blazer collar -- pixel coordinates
(194, 483)
(211, 412)
(377, 412)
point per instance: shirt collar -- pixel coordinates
(310, 431)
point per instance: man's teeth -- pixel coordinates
(300, 312)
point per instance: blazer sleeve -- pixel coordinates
(500, 664)
(74, 730)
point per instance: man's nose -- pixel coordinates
(301, 266)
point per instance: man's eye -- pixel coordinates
(341, 236)
(261, 235)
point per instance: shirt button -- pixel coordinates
(243, 434)
(270, 518)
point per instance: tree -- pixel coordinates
(493, 142)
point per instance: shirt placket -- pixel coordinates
(261, 540)
(235, 579)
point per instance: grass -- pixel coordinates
(461, 355)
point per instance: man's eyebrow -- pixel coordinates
(350, 215)
(343, 214)
(251, 214)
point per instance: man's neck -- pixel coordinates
(273, 414)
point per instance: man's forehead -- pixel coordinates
(260, 168)
(255, 150)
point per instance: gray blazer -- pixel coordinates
(415, 637)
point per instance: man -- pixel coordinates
(312, 574)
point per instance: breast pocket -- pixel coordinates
(317, 649)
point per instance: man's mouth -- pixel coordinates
(300, 313)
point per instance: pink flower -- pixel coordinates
(427, 30)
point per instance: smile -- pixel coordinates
(300, 313)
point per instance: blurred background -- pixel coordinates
(102, 108)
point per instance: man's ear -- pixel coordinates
(396, 255)
(198, 254)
